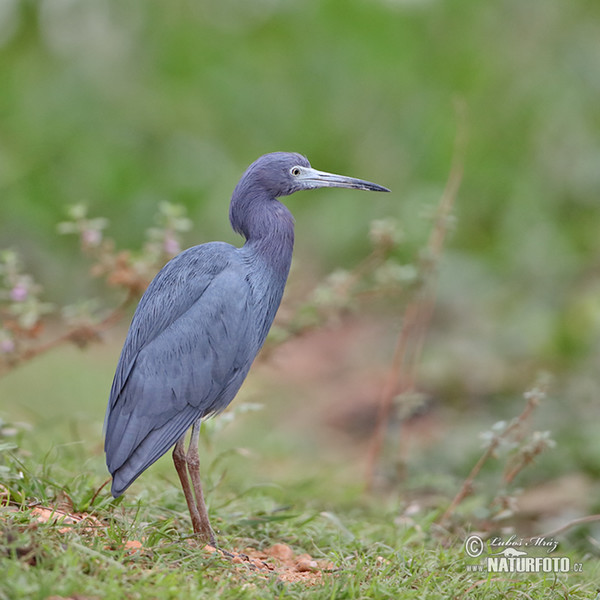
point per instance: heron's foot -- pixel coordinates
(204, 533)
(210, 540)
(221, 551)
(214, 547)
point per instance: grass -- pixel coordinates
(266, 484)
(374, 558)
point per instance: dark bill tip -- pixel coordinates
(360, 184)
(311, 178)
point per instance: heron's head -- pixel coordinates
(283, 173)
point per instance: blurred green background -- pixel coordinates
(123, 104)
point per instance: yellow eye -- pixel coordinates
(295, 171)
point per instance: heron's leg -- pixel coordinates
(180, 465)
(193, 464)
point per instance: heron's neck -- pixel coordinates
(268, 227)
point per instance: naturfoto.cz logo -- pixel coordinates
(510, 558)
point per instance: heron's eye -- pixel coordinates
(295, 171)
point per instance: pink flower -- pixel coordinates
(7, 346)
(171, 245)
(18, 293)
(91, 237)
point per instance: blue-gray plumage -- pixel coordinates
(199, 326)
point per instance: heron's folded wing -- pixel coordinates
(188, 350)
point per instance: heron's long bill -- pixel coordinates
(311, 178)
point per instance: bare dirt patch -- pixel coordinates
(281, 561)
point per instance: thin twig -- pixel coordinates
(569, 525)
(402, 373)
(79, 334)
(467, 486)
(99, 490)
(295, 329)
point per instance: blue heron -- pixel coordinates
(199, 326)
